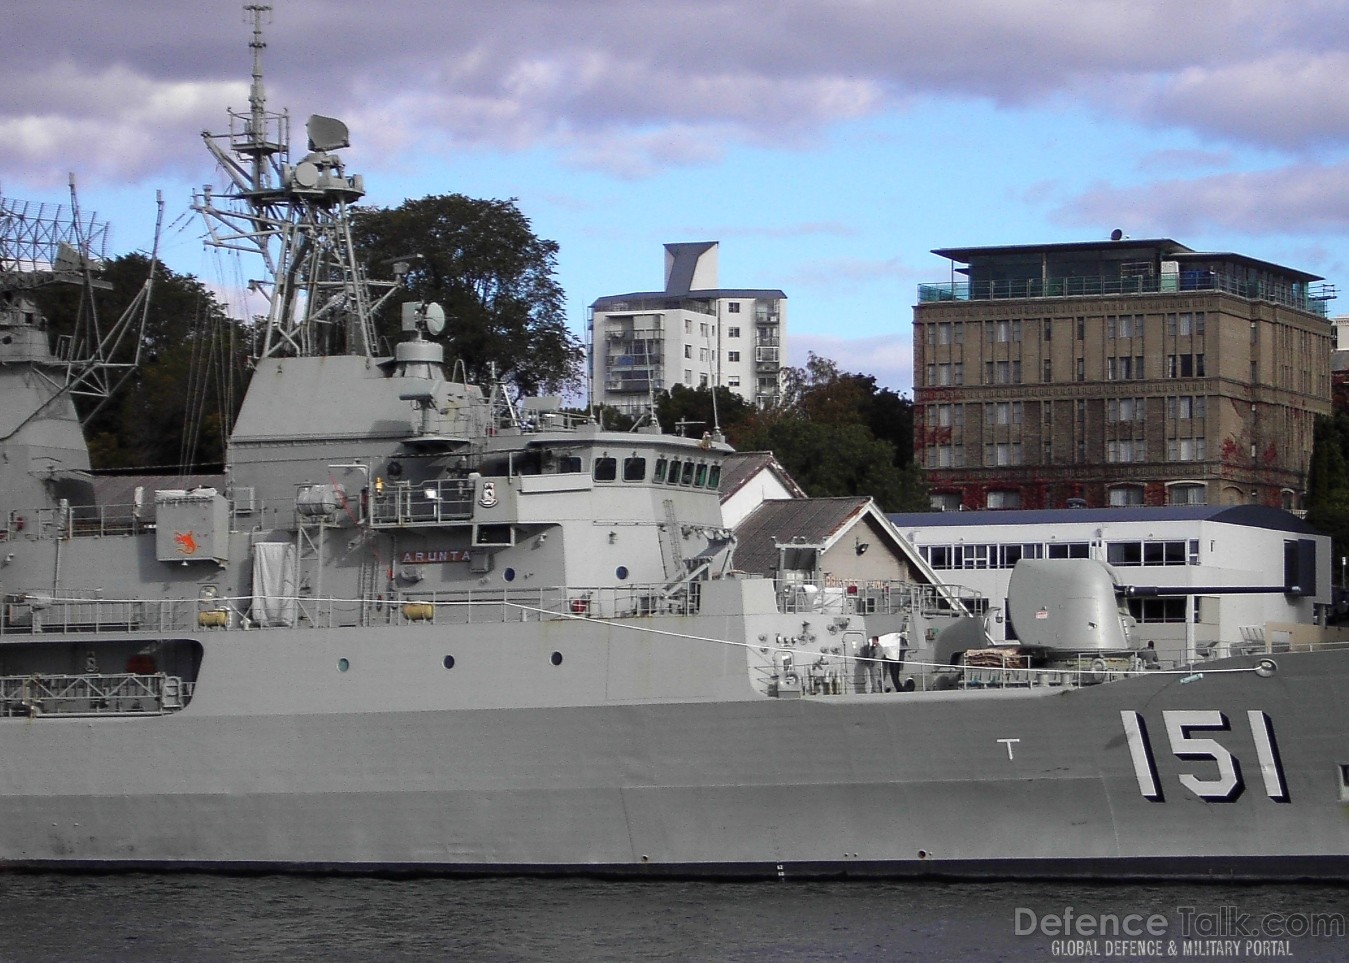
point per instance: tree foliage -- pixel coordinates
(1328, 481)
(176, 408)
(839, 434)
(480, 260)
(684, 410)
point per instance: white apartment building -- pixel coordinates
(692, 333)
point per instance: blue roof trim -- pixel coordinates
(1253, 516)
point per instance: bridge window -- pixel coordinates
(606, 468)
(634, 469)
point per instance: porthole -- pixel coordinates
(509, 575)
(448, 662)
(343, 665)
(621, 572)
(557, 658)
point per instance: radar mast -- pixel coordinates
(296, 217)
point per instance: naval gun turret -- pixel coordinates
(1069, 605)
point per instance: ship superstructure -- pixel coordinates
(411, 628)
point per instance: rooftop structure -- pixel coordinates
(1119, 372)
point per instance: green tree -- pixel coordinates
(480, 260)
(839, 434)
(692, 411)
(1328, 481)
(176, 407)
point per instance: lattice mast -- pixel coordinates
(46, 244)
(297, 218)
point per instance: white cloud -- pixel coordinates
(672, 83)
(1303, 198)
(888, 358)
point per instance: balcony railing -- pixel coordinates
(1293, 296)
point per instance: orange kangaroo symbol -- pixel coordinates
(187, 545)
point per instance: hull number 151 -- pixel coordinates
(1181, 724)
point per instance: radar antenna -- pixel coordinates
(296, 217)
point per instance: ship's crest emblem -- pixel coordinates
(488, 498)
(187, 544)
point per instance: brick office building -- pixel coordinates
(1120, 372)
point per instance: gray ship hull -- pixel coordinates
(496, 766)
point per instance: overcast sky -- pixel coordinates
(829, 146)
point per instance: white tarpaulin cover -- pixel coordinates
(274, 583)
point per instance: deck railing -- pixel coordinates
(1294, 296)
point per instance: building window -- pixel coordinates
(688, 351)
(1185, 324)
(945, 501)
(1004, 499)
(702, 380)
(941, 375)
(1003, 413)
(1124, 369)
(733, 307)
(1123, 496)
(1123, 409)
(1153, 552)
(1185, 449)
(1185, 407)
(944, 332)
(1006, 453)
(945, 456)
(1081, 369)
(1187, 494)
(688, 376)
(945, 416)
(733, 381)
(1081, 329)
(732, 355)
(702, 354)
(1159, 610)
(1119, 450)
(1124, 326)
(1003, 332)
(1048, 328)
(1047, 376)
(1185, 366)
(732, 332)
(1068, 550)
(1002, 372)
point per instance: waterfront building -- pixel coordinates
(1122, 372)
(1219, 552)
(691, 333)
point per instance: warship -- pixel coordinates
(415, 628)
